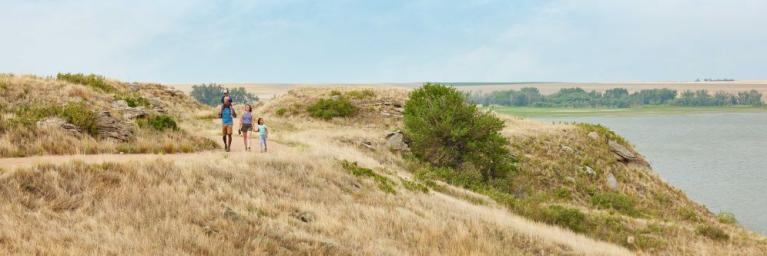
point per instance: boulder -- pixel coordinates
(120, 104)
(113, 128)
(588, 170)
(133, 113)
(396, 141)
(593, 135)
(622, 153)
(59, 123)
(612, 183)
(567, 148)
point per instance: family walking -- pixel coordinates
(228, 114)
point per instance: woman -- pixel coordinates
(246, 125)
(263, 132)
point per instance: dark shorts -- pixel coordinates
(246, 128)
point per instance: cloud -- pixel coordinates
(336, 41)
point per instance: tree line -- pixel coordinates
(210, 94)
(614, 98)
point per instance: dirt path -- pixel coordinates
(238, 149)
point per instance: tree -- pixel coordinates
(210, 94)
(446, 131)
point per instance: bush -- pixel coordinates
(159, 123)
(94, 81)
(603, 132)
(615, 201)
(133, 100)
(384, 183)
(330, 108)
(210, 94)
(281, 111)
(726, 218)
(75, 113)
(446, 131)
(712, 232)
(361, 94)
(572, 219)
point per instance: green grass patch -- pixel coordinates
(414, 186)
(94, 81)
(603, 132)
(570, 218)
(384, 183)
(712, 232)
(726, 218)
(615, 201)
(75, 113)
(688, 214)
(327, 109)
(158, 123)
(361, 94)
(133, 100)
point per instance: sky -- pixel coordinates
(343, 41)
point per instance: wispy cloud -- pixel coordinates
(334, 41)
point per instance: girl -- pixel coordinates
(263, 132)
(246, 125)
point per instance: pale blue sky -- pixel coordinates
(190, 41)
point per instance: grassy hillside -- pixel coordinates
(332, 186)
(88, 114)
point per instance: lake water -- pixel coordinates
(718, 159)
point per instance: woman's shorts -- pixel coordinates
(246, 128)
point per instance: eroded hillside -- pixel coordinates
(347, 186)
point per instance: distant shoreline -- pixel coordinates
(639, 110)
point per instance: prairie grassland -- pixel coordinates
(288, 202)
(299, 198)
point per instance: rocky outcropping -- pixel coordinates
(58, 123)
(622, 153)
(396, 141)
(113, 128)
(129, 112)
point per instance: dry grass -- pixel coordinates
(298, 199)
(253, 204)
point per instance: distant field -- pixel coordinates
(549, 88)
(269, 90)
(537, 111)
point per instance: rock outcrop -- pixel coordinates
(113, 128)
(58, 123)
(396, 141)
(622, 153)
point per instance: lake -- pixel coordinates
(717, 159)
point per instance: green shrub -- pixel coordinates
(361, 94)
(615, 201)
(726, 218)
(603, 132)
(94, 81)
(159, 123)
(384, 183)
(562, 193)
(75, 113)
(133, 100)
(329, 108)
(570, 218)
(688, 214)
(414, 186)
(712, 232)
(335, 93)
(210, 94)
(446, 131)
(281, 111)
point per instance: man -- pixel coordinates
(225, 98)
(227, 120)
